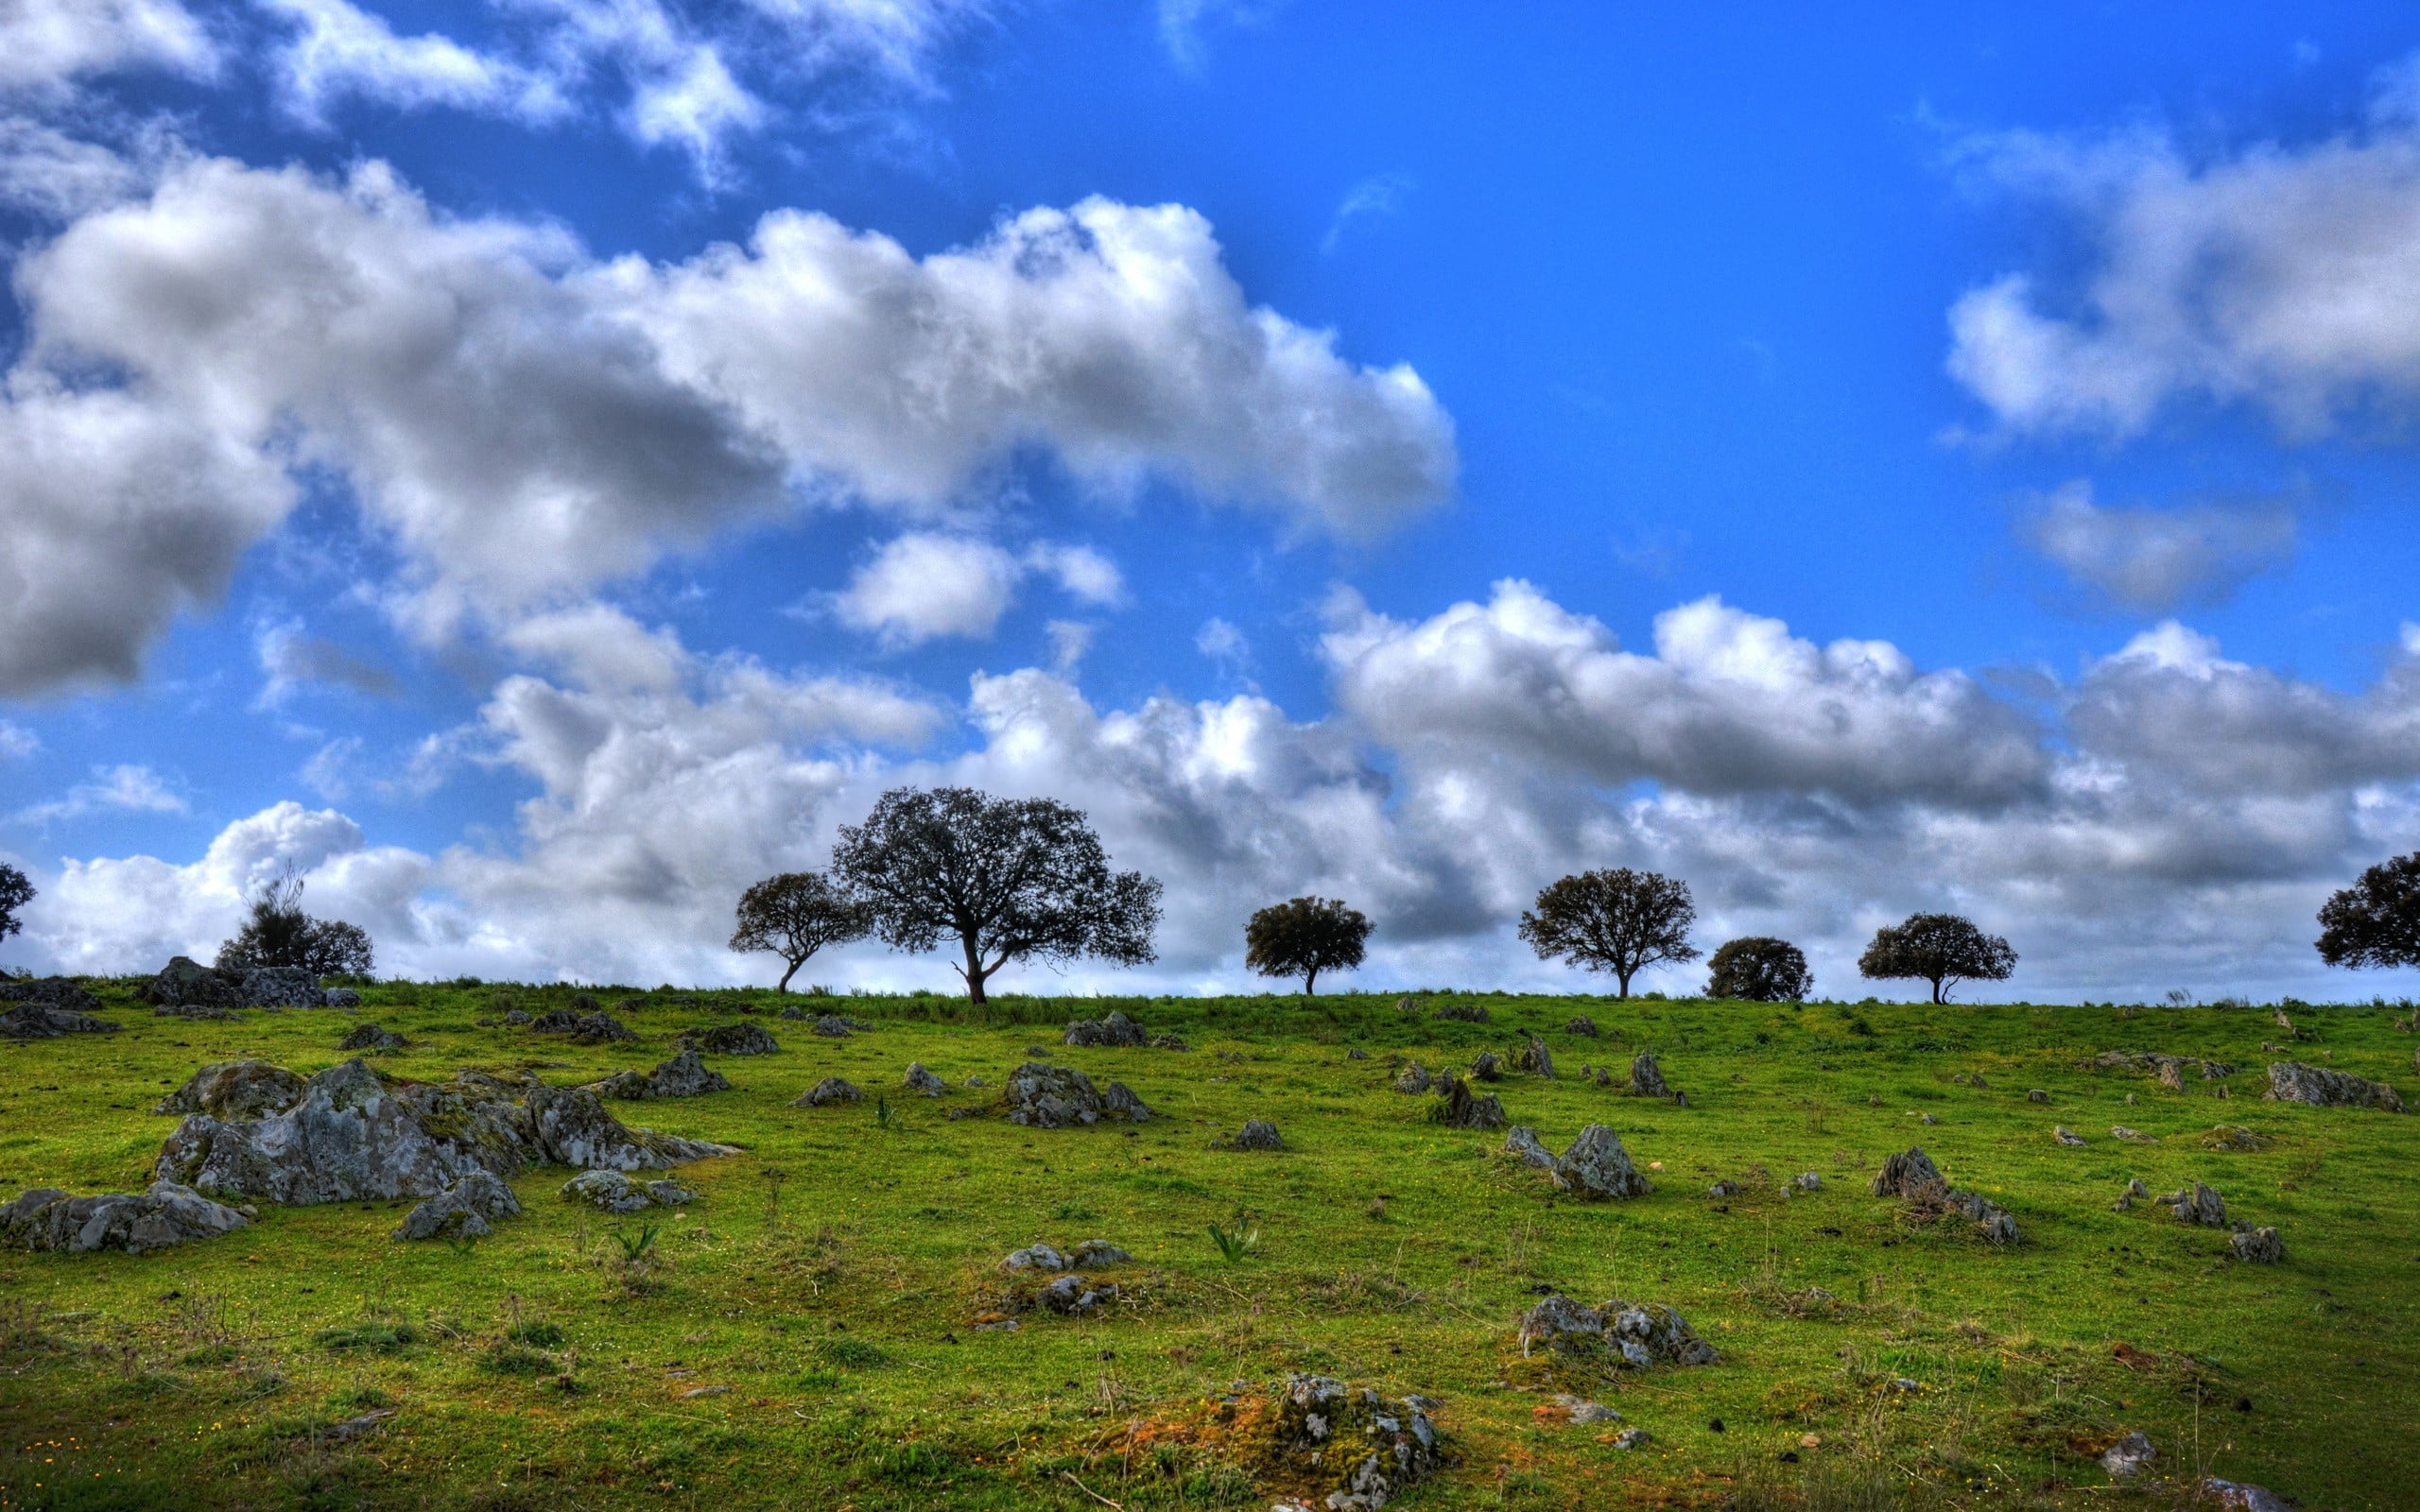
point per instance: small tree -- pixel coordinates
(1759, 969)
(1009, 879)
(15, 892)
(796, 914)
(1303, 937)
(1615, 921)
(2376, 921)
(1942, 948)
(278, 933)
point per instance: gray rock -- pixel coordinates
(518, 1018)
(1486, 1066)
(351, 1136)
(1535, 1058)
(1639, 1335)
(1356, 1055)
(1582, 1413)
(50, 991)
(1320, 1427)
(1597, 1166)
(186, 983)
(241, 1090)
(280, 987)
(2037, 1095)
(2171, 1070)
(1582, 1025)
(733, 1039)
(1915, 1179)
(341, 997)
(2291, 1082)
(1461, 1013)
(372, 1037)
(47, 1020)
(2258, 1247)
(683, 1075)
(1926, 1118)
(920, 1080)
(976, 1082)
(2135, 1191)
(2064, 1135)
(1460, 1108)
(1169, 1041)
(2132, 1136)
(1806, 1182)
(1034, 1257)
(466, 1210)
(1647, 1077)
(2197, 1204)
(828, 1093)
(1911, 1175)
(594, 1028)
(1095, 1254)
(2129, 1458)
(1631, 1438)
(1724, 1189)
(1257, 1134)
(832, 1026)
(2233, 1496)
(1041, 1096)
(164, 1214)
(1074, 1296)
(1113, 1029)
(1412, 1079)
(1523, 1143)
(613, 1192)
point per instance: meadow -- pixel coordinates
(804, 1336)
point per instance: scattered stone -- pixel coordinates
(1636, 1335)
(613, 1192)
(733, 1039)
(683, 1075)
(352, 1428)
(1040, 1096)
(2232, 1496)
(50, 991)
(1724, 1190)
(824, 1093)
(1604, 1076)
(1597, 1166)
(1807, 1181)
(235, 1090)
(1582, 1025)
(2169, 1069)
(1074, 1296)
(466, 1210)
(2237, 1138)
(1169, 1041)
(44, 1020)
(2135, 1191)
(1357, 1054)
(1907, 1176)
(922, 1081)
(2066, 1135)
(976, 1082)
(166, 1213)
(372, 1037)
(2258, 1247)
(581, 1028)
(354, 1136)
(2036, 1095)
(1926, 1118)
(1112, 1030)
(1916, 1181)
(1647, 1077)
(340, 997)
(1257, 1134)
(1631, 1438)
(1460, 1108)
(1485, 1066)
(1873, 1100)
(830, 1025)
(186, 983)
(1523, 1143)
(1034, 1257)
(2129, 1458)
(2130, 1099)
(518, 1018)
(1582, 1413)
(2291, 1082)
(1367, 1447)
(2132, 1136)
(1461, 1013)
(1535, 1058)
(2197, 1204)
(1412, 1079)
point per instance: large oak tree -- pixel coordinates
(1303, 937)
(796, 914)
(1759, 969)
(1619, 921)
(2376, 921)
(1942, 948)
(1008, 879)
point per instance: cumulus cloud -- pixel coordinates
(924, 586)
(2282, 276)
(46, 44)
(2152, 561)
(526, 423)
(338, 50)
(127, 788)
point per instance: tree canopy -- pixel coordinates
(2376, 921)
(1619, 921)
(794, 914)
(1759, 969)
(1303, 937)
(15, 892)
(279, 933)
(1942, 948)
(1008, 879)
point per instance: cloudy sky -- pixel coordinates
(537, 466)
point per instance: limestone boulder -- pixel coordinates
(163, 1214)
(467, 1210)
(49, 1021)
(1636, 1334)
(1522, 1144)
(1582, 1025)
(829, 1092)
(1458, 1107)
(685, 1076)
(1044, 1096)
(1113, 1029)
(239, 1090)
(733, 1039)
(1411, 1080)
(593, 1028)
(1258, 1134)
(1597, 1166)
(1535, 1058)
(2258, 1247)
(613, 1192)
(372, 1037)
(2197, 1204)
(49, 991)
(922, 1082)
(2318, 1087)
(1647, 1077)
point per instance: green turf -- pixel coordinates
(822, 1293)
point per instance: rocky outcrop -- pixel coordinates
(1365, 1447)
(467, 1210)
(1638, 1335)
(47, 1021)
(1907, 1176)
(1093, 1254)
(1582, 1025)
(372, 1037)
(235, 1090)
(613, 1192)
(1487, 1066)
(1647, 1077)
(830, 1091)
(1257, 1134)
(2129, 1458)
(2235, 1138)
(1458, 1107)
(1411, 1080)
(1042, 1096)
(1461, 1013)
(1115, 1029)
(683, 1075)
(354, 1136)
(2061, 1134)
(187, 988)
(1535, 1058)
(2257, 1247)
(2170, 1069)
(2293, 1082)
(832, 1026)
(596, 1028)
(1597, 1166)
(1917, 1182)
(1522, 1144)
(733, 1039)
(922, 1082)
(50, 991)
(2197, 1204)
(166, 1213)
(2232, 1496)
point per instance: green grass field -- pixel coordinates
(801, 1337)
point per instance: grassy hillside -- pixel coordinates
(804, 1336)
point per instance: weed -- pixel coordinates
(373, 1335)
(1236, 1242)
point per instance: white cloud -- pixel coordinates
(293, 659)
(2151, 560)
(17, 741)
(525, 424)
(338, 50)
(2286, 277)
(1379, 196)
(922, 587)
(125, 788)
(1181, 23)
(57, 177)
(1069, 642)
(46, 44)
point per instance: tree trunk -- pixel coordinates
(1311, 983)
(1622, 996)
(785, 984)
(1936, 992)
(973, 970)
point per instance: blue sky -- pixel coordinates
(537, 465)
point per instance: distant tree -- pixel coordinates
(1759, 969)
(796, 914)
(1008, 879)
(1303, 937)
(2376, 921)
(1617, 922)
(279, 933)
(15, 892)
(1942, 948)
